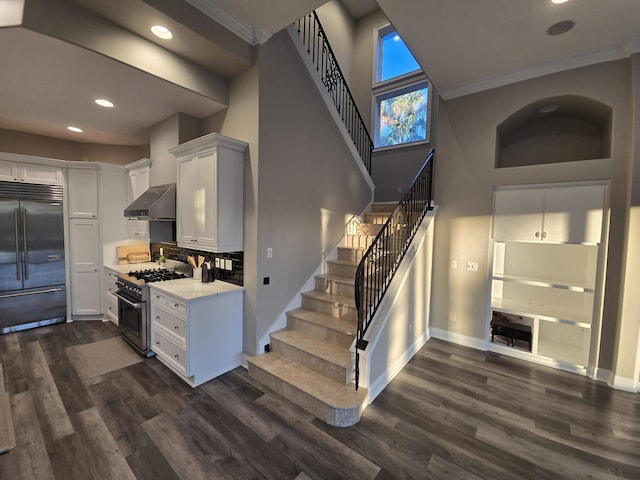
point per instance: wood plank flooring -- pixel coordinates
(452, 413)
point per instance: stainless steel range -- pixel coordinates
(134, 306)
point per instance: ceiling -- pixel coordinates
(48, 82)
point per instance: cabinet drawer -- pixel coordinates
(168, 350)
(169, 303)
(177, 326)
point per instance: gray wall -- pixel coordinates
(465, 177)
(12, 141)
(301, 183)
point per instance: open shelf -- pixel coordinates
(559, 284)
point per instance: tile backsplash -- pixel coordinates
(235, 275)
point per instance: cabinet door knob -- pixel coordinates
(176, 328)
(537, 234)
(176, 305)
(157, 342)
(544, 234)
(176, 356)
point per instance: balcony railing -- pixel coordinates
(315, 41)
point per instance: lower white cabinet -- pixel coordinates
(198, 338)
(110, 301)
(552, 291)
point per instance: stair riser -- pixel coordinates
(330, 308)
(376, 218)
(383, 207)
(320, 332)
(306, 359)
(358, 241)
(342, 270)
(338, 417)
(351, 254)
(369, 229)
(336, 288)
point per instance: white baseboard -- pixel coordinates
(625, 383)
(458, 338)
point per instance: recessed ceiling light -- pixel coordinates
(104, 103)
(161, 32)
(548, 109)
(557, 2)
(75, 129)
(560, 27)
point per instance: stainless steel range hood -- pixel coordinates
(157, 203)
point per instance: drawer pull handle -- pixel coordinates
(176, 305)
(176, 356)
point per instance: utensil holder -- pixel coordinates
(197, 273)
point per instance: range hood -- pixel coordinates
(157, 203)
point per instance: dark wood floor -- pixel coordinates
(452, 413)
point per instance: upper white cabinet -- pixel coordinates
(210, 191)
(138, 184)
(567, 214)
(30, 173)
(83, 193)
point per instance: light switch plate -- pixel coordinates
(227, 264)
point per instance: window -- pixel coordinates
(401, 93)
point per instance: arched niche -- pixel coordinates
(568, 128)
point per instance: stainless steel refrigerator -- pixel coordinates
(32, 272)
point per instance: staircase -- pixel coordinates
(310, 361)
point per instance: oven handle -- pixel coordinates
(127, 301)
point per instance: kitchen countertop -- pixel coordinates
(184, 288)
(191, 289)
(132, 267)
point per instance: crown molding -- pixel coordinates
(542, 70)
(236, 25)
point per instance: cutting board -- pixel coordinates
(134, 254)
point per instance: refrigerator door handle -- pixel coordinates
(24, 294)
(16, 221)
(24, 244)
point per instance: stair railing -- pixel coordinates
(315, 40)
(383, 257)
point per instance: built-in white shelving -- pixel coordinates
(551, 286)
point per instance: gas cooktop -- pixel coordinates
(156, 275)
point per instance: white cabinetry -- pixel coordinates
(198, 338)
(30, 173)
(83, 193)
(571, 214)
(109, 299)
(551, 283)
(210, 193)
(138, 184)
(85, 261)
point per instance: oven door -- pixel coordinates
(132, 315)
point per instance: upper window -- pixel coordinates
(394, 58)
(401, 93)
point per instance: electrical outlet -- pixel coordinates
(472, 266)
(227, 264)
(269, 252)
(217, 262)
(454, 264)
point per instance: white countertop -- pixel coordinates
(184, 288)
(132, 267)
(191, 289)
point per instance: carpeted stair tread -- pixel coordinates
(323, 350)
(340, 325)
